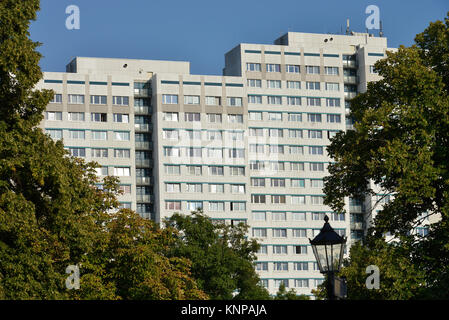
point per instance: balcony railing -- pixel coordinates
(350, 95)
(142, 110)
(357, 225)
(350, 63)
(143, 180)
(142, 127)
(143, 163)
(357, 208)
(142, 92)
(144, 198)
(143, 145)
(350, 79)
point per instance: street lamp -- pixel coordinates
(328, 248)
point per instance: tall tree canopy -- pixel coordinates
(401, 143)
(51, 213)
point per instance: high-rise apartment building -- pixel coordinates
(248, 146)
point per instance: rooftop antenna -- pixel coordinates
(347, 26)
(381, 32)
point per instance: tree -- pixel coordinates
(52, 214)
(222, 258)
(283, 294)
(401, 145)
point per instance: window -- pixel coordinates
(192, 116)
(172, 169)
(122, 153)
(274, 116)
(216, 170)
(312, 85)
(299, 233)
(372, 70)
(302, 283)
(120, 101)
(216, 206)
(277, 149)
(294, 84)
(121, 117)
(316, 183)
(314, 117)
(255, 83)
(170, 116)
(214, 117)
(216, 153)
(334, 118)
(277, 166)
(121, 135)
(298, 199)
(300, 249)
(126, 189)
(274, 84)
(234, 101)
(312, 69)
(57, 98)
(236, 153)
(254, 99)
(194, 205)
(216, 188)
(172, 205)
(317, 200)
(279, 216)
(296, 149)
(297, 183)
(237, 171)
(277, 182)
(296, 166)
(271, 67)
(316, 150)
(280, 266)
(314, 102)
(213, 101)
(77, 152)
(315, 134)
(277, 199)
(332, 86)
(331, 71)
(194, 187)
(274, 100)
(172, 152)
(298, 216)
(122, 171)
(194, 170)
(77, 134)
(76, 99)
(314, 166)
(53, 115)
(191, 100)
(256, 165)
(54, 133)
(262, 266)
(276, 132)
(99, 135)
(278, 282)
(294, 101)
(237, 188)
(98, 100)
(335, 216)
(297, 117)
(99, 117)
(332, 102)
(238, 206)
(170, 99)
(253, 67)
(258, 198)
(76, 116)
(258, 182)
(289, 68)
(259, 232)
(255, 116)
(260, 216)
(280, 233)
(236, 135)
(194, 134)
(294, 133)
(256, 132)
(173, 187)
(194, 152)
(331, 134)
(99, 153)
(170, 134)
(235, 118)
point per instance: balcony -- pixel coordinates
(357, 225)
(145, 127)
(143, 145)
(146, 92)
(349, 64)
(144, 198)
(146, 163)
(143, 181)
(142, 110)
(350, 95)
(356, 208)
(350, 79)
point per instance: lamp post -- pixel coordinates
(328, 248)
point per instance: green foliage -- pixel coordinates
(401, 144)
(283, 294)
(222, 258)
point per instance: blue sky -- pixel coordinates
(202, 31)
